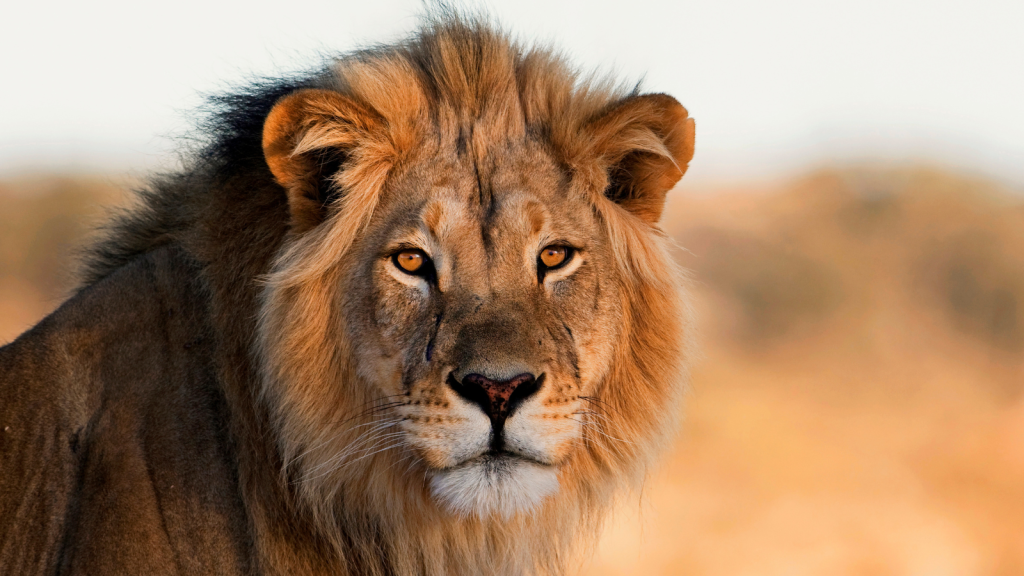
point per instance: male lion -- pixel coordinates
(410, 315)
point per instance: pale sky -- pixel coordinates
(774, 86)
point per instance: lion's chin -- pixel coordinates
(494, 485)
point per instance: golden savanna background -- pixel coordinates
(858, 408)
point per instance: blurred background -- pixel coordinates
(853, 220)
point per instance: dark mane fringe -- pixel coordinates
(227, 145)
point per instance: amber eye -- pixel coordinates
(410, 261)
(554, 256)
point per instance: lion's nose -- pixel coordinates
(497, 398)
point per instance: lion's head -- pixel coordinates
(473, 327)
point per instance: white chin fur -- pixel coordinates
(491, 486)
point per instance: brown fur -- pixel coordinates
(270, 308)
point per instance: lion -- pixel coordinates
(410, 314)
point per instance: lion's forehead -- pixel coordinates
(490, 217)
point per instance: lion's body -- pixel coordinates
(249, 383)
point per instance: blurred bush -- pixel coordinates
(911, 241)
(776, 289)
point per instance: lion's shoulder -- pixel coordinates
(113, 439)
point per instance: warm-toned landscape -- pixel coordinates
(858, 408)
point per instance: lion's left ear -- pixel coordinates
(645, 143)
(307, 138)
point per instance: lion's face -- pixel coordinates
(484, 309)
(474, 312)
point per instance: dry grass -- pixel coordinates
(859, 408)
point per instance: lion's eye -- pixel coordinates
(411, 261)
(553, 257)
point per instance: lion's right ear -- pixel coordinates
(307, 138)
(645, 143)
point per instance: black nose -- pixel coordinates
(497, 398)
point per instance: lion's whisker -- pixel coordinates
(365, 441)
(341, 465)
(378, 408)
(598, 402)
(593, 426)
(334, 436)
(393, 445)
(364, 438)
(405, 458)
(381, 440)
(603, 418)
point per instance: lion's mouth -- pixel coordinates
(497, 460)
(497, 482)
(502, 456)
